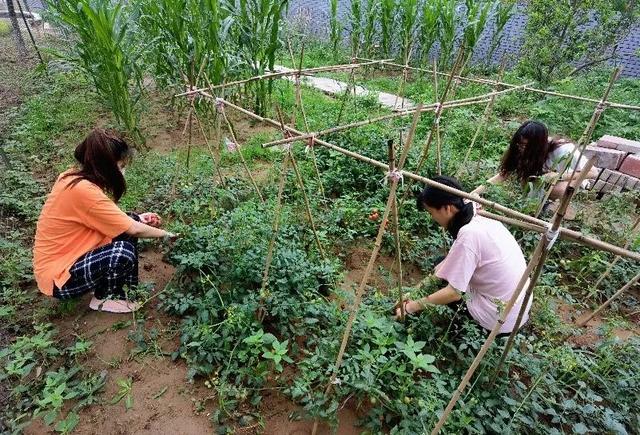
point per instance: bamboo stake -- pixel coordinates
(206, 140)
(33, 41)
(394, 180)
(529, 292)
(634, 227)
(239, 150)
(617, 294)
(436, 121)
(273, 75)
(438, 141)
(535, 265)
(482, 125)
(523, 220)
(277, 213)
(396, 233)
(498, 83)
(302, 188)
(300, 106)
(584, 139)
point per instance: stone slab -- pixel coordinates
(619, 143)
(605, 157)
(336, 87)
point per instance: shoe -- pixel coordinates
(114, 305)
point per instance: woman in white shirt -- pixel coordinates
(532, 154)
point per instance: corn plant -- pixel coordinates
(189, 40)
(408, 18)
(335, 31)
(256, 32)
(387, 21)
(106, 53)
(370, 20)
(447, 24)
(478, 13)
(429, 28)
(355, 17)
(503, 11)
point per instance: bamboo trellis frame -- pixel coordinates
(494, 83)
(549, 231)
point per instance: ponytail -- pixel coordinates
(438, 198)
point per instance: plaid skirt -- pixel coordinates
(105, 271)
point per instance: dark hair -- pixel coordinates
(437, 198)
(98, 156)
(527, 162)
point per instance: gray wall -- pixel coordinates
(314, 14)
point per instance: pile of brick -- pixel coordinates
(619, 160)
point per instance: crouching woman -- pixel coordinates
(485, 261)
(84, 242)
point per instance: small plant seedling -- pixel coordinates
(124, 393)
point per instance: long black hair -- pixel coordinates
(437, 198)
(527, 161)
(98, 155)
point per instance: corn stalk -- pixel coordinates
(447, 36)
(369, 32)
(429, 28)
(335, 29)
(106, 53)
(355, 18)
(387, 20)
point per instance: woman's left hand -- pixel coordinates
(151, 219)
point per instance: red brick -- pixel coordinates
(619, 143)
(605, 157)
(631, 166)
(619, 179)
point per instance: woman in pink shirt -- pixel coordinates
(484, 264)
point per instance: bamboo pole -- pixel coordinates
(634, 227)
(436, 121)
(483, 124)
(617, 294)
(239, 150)
(584, 139)
(428, 108)
(498, 83)
(438, 141)
(394, 180)
(273, 75)
(277, 213)
(33, 41)
(529, 292)
(535, 265)
(300, 106)
(396, 232)
(520, 219)
(302, 187)
(206, 140)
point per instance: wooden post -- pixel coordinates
(536, 262)
(532, 284)
(617, 294)
(370, 265)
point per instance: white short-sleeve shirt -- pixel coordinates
(487, 263)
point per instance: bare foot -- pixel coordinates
(113, 306)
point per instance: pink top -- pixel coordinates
(486, 262)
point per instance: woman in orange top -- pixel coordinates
(84, 242)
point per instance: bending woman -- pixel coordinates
(485, 261)
(533, 154)
(84, 242)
